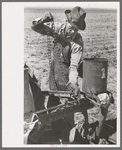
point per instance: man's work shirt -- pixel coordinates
(70, 53)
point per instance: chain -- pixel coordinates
(49, 57)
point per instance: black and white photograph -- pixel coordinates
(70, 69)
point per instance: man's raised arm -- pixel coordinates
(40, 24)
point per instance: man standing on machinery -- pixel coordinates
(66, 63)
(68, 46)
(67, 50)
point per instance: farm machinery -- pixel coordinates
(54, 122)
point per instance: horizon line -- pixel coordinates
(37, 7)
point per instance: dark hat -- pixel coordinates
(76, 17)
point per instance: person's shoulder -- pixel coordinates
(78, 39)
(78, 36)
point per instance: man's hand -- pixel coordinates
(47, 17)
(75, 88)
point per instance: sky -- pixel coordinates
(109, 5)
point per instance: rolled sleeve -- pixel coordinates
(76, 57)
(43, 28)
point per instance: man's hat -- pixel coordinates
(76, 17)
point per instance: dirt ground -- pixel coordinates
(100, 36)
